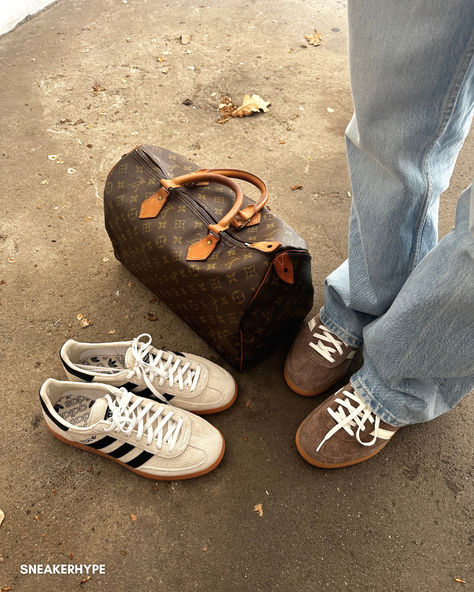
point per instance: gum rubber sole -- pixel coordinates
(217, 409)
(340, 465)
(141, 473)
(304, 393)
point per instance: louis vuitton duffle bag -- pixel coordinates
(236, 273)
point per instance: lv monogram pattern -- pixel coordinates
(234, 300)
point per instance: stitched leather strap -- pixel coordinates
(202, 249)
(249, 215)
(192, 178)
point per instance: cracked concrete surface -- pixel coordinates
(402, 521)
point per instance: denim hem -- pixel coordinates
(347, 338)
(363, 391)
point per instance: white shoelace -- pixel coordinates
(348, 416)
(325, 349)
(175, 369)
(127, 416)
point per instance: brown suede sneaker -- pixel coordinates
(317, 359)
(341, 432)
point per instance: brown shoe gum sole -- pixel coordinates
(340, 465)
(217, 409)
(304, 393)
(141, 473)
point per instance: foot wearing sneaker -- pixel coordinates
(317, 359)
(341, 432)
(153, 440)
(188, 381)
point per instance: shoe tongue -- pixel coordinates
(99, 410)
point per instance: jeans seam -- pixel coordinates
(344, 334)
(450, 104)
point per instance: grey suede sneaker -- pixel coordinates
(341, 432)
(186, 380)
(151, 439)
(317, 359)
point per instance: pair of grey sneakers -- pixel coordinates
(139, 406)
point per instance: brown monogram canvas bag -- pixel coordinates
(236, 273)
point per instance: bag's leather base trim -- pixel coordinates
(340, 465)
(141, 473)
(304, 393)
(217, 409)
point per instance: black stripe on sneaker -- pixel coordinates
(129, 386)
(121, 450)
(51, 416)
(139, 460)
(103, 442)
(77, 373)
(146, 392)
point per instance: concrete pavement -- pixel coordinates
(82, 81)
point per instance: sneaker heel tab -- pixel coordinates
(67, 345)
(47, 384)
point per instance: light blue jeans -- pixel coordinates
(406, 299)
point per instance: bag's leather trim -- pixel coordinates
(247, 217)
(284, 268)
(201, 250)
(265, 246)
(250, 215)
(153, 205)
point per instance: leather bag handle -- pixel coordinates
(202, 249)
(249, 215)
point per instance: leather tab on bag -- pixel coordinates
(284, 268)
(265, 246)
(243, 221)
(255, 219)
(152, 206)
(201, 250)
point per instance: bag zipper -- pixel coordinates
(199, 209)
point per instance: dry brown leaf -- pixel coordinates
(259, 509)
(86, 579)
(7, 589)
(88, 219)
(79, 316)
(314, 39)
(295, 187)
(133, 517)
(97, 88)
(71, 556)
(85, 322)
(459, 581)
(152, 317)
(250, 104)
(112, 331)
(204, 549)
(2, 517)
